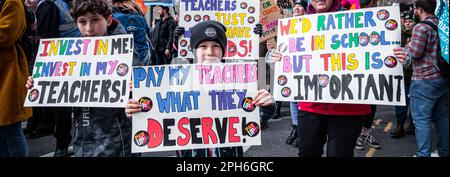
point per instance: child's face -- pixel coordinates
(93, 24)
(298, 10)
(209, 52)
(409, 24)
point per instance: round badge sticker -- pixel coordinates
(252, 129)
(243, 5)
(197, 18)
(374, 38)
(183, 43)
(141, 138)
(206, 18)
(324, 80)
(390, 61)
(251, 20)
(247, 104)
(122, 69)
(286, 92)
(146, 104)
(33, 96)
(232, 48)
(391, 24)
(251, 9)
(187, 18)
(363, 39)
(382, 14)
(282, 80)
(183, 53)
(282, 47)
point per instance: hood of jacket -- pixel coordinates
(116, 28)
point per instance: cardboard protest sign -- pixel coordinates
(285, 4)
(82, 72)
(195, 106)
(238, 16)
(341, 57)
(270, 13)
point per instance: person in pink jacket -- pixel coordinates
(338, 125)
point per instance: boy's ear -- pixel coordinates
(109, 20)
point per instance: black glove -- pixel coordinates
(258, 29)
(179, 30)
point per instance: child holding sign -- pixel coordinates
(209, 42)
(98, 131)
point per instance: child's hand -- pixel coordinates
(263, 98)
(132, 107)
(29, 84)
(276, 56)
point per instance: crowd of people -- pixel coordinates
(107, 131)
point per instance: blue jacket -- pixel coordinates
(103, 132)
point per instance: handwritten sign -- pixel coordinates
(195, 106)
(238, 16)
(270, 13)
(82, 72)
(341, 57)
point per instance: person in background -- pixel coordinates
(53, 20)
(429, 88)
(31, 44)
(401, 112)
(13, 73)
(299, 10)
(271, 47)
(405, 8)
(287, 12)
(162, 37)
(130, 15)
